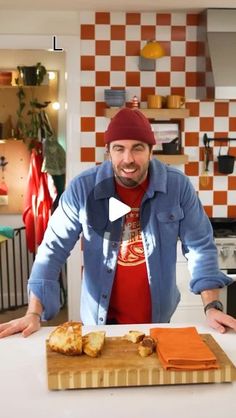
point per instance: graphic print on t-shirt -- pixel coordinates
(131, 248)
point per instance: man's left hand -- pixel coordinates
(220, 321)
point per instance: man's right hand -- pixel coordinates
(26, 325)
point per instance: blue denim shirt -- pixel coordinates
(170, 210)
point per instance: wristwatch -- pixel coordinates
(216, 304)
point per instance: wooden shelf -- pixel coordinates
(176, 159)
(157, 114)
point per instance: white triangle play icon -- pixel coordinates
(117, 209)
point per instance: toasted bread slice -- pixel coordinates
(93, 343)
(134, 336)
(67, 338)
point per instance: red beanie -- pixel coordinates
(129, 124)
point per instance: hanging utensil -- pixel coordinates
(204, 179)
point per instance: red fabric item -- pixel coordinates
(129, 124)
(3, 189)
(38, 202)
(130, 301)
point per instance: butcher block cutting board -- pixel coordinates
(121, 365)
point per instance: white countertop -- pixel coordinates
(24, 393)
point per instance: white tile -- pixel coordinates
(117, 78)
(163, 64)
(220, 183)
(102, 32)
(85, 166)
(87, 47)
(206, 109)
(195, 182)
(178, 48)
(193, 153)
(232, 109)
(190, 93)
(87, 108)
(163, 91)
(191, 64)
(191, 124)
(99, 154)
(177, 79)
(99, 94)
(191, 33)
(163, 33)
(219, 211)
(133, 32)
(87, 17)
(206, 197)
(131, 92)
(231, 197)
(147, 78)
(131, 63)
(87, 78)
(178, 19)
(148, 19)
(102, 63)
(100, 124)
(117, 48)
(87, 140)
(118, 18)
(221, 124)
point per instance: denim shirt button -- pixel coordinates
(109, 270)
(104, 296)
(171, 217)
(114, 244)
(101, 319)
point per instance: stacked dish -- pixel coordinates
(114, 98)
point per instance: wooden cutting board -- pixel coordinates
(121, 365)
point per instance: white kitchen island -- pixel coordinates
(24, 392)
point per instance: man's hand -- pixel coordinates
(26, 325)
(220, 321)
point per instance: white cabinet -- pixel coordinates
(190, 308)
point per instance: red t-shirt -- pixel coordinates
(130, 301)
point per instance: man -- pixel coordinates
(130, 262)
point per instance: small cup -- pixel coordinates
(154, 101)
(175, 101)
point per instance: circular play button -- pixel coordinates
(107, 215)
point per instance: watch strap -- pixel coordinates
(216, 304)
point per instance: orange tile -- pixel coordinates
(162, 78)
(232, 124)
(133, 18)
(201, 79)
(102, 18)
(145, 91)
(163, 19)
(193, 108)
(177, 63)
(87, 124)
(100, 139)
(208, 210)
(192, 168)
(132, 78)
(87, 154)
(221, 135)
(191, 49)
(87, 63)
(201, 49)
(221, 109)
(87, 32)
(191, 139)
(117, 32)
(102, 47)
(166, 46)
(192, 19)
(210, 92)
(206, 124)
(102, 78)
(100, 107)
(178, 33)
(231, 212)
(232, 151)
(220, 198)
(178, 90)
(232, 183)
(117, 63)
(191, 79)
(206, 183)
(132, 48)
(208, 64)
(148, 32)
(87, 94)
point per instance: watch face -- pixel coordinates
(216, 304)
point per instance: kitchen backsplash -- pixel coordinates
(110, 47)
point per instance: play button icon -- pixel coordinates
(117, 209)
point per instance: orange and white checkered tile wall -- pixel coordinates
(110, 47)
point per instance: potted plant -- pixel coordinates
(32, 75)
